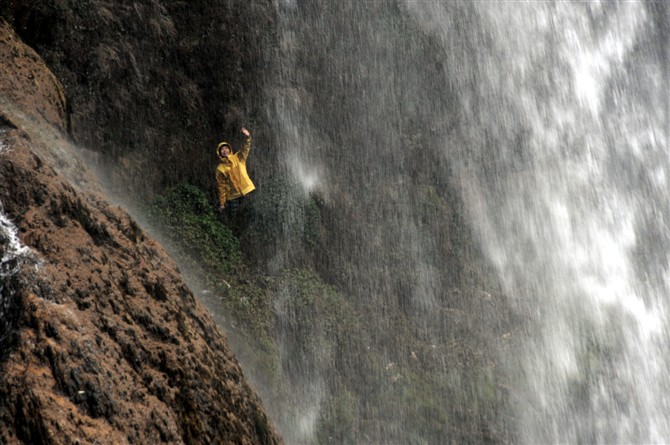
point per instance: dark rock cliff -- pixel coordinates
(100, 339)
(150, 80)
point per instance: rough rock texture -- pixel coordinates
(100, 339)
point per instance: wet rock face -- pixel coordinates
(100, 339)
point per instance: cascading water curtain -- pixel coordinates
(565, 118)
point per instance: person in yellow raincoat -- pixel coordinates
(232, 179)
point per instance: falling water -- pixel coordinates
(566, 170)
(358, 120)
(559, 149)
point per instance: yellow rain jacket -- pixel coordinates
(232, 178)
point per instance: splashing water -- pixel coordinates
(13, 254)
(13, 250)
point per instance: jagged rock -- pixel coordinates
(101, 341)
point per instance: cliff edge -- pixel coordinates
(100, 339)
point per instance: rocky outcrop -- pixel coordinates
(100, 339)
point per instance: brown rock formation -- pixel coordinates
(100, 339)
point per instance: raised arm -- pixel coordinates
(247, 144)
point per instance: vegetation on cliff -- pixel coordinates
(295, 326)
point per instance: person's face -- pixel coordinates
(224, 151)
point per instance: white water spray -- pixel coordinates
(12, 254)
(297, 140)
(13, 248)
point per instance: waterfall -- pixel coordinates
(565, 119)
(550, 120)
(472, 202)
(359, 123)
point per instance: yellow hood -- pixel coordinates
(218, 147)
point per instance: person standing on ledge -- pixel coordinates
(232, 179)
